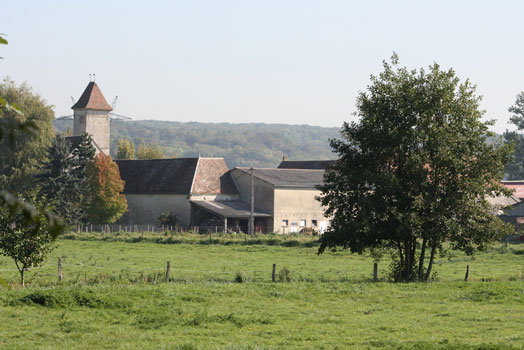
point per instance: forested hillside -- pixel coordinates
(257, 145)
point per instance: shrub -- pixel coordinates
(168, 218)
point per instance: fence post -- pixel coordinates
(273, 273)
(167, 271)
(467, 274)
(60, 268)
(375, 271)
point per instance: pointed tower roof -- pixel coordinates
(92, 98)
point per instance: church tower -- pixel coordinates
(91, 115)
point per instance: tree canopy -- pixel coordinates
(63, 179)
(106, 201)
(414, 171)
(515, 168)
(126, 149)
(21, 154)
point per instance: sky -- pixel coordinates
(291, 62)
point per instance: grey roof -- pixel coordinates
(306, 164)
(229, 209)
(304, 178)
(156, 176)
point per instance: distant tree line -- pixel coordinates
(259, 145)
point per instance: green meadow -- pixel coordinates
(113, 295)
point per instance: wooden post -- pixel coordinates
(225, 225)
(273, 273)
(251, 227)
(375, 271)
(210, 237)
(167, 271)
(467, 274)
(60, 268)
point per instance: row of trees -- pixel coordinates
(126, 150)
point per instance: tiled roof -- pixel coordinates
(305, 178)
(516, 186)
(306, 164)
(92, 98)
(176, 176)
(212, 177)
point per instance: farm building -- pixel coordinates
(288, 195)
(204, 192)
(155, 186)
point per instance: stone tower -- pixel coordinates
(91, 115)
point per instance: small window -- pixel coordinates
(302, 223)
(284, 222)
(294, 226)
(314, 223)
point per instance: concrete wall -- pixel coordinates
(264, 198)
(95, 123)
(145, 208)
(295, 205)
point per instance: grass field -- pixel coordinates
(113, 296)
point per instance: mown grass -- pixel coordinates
(113, 297)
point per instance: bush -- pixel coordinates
(168, 218)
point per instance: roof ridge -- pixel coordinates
(194, 176)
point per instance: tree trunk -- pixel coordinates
(430, 265)
(421, 260)
(400, 254)
(407, 261)
(21, 270)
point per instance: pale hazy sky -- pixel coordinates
(295, 62)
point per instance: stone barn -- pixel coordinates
(155, 186)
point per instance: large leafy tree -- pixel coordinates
(106, 201)
(21, 154)
(38, 224)
(414, 171)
